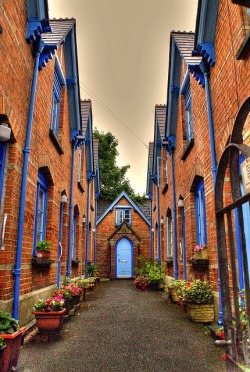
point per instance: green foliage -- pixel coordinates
(43, 245)
(198, 292)
(178, 285)
(156, 272)
(112, 177)
(91, 269)
(2, 343)
(7, 323)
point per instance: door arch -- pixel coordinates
(229, 203)
(124, 258)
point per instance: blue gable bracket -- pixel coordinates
(175, 89)
(149, 195)
(90, 176)
(35, 29)
(195, 70)
(171, 144)
(47, 54)
(73, 134)
(88, 140)
(206, 51)
(71, 81)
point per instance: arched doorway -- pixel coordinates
(230, 206)
(124, 258)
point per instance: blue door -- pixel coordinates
(124, 258)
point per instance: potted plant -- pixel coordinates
(155, 275)
(12, 335)
(68, 301)
(174, 289)
(141, 282)
(43, 249)
(75, 292)
(91, 269)
(198, 298)
(49, 316)
(200, 252)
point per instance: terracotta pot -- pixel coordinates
(9, 356)
(42, 254)
(143, 286)
(49, 323)
(68, 306)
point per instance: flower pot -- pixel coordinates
(201, 255)
(10, 354)
(200, 313)
(49, 323)
(143, 287)
(76, 300)
(173, 295)
(68, 306)
(42, 254)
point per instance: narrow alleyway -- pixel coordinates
(122, 329)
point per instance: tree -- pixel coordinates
(112, 177)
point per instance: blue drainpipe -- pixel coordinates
(159, 226)
(206, 71)
(151, 227)
(184, 244)
(17, 271)
(87, 226)
(70, 209)
(170, 149)
(59, 254)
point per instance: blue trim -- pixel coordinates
(87, 229)
(159, 226)
(59, 252)
(68, 271)
(123, 194)
(26, 150)
(176, 268)
(132, 256)
(38, 19)
(151, 226)
(200, 209)
(206, 51)
(3, 148)
(195, 70)
(184, 243)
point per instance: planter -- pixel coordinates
(200, 313)
(143, 287)
(68, 306)
(10, 354)
(173, 295)
(49, 323)
(42, 254)
(76, 300)
(201, 255)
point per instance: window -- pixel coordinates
(79, 176)
(2, 164)
(186, 92)
(169, 226)
(41, 207)
(123, 214)
(59, 82)
(200, 206)
(74, 225)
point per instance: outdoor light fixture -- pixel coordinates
(162, 220)
(93, 229)
(5, 132)
(152, 229)
(180, 203)
(84, 219)
(64, 198)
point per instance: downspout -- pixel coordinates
(95, 232)
(184, 244)
(206, 71)
(59, 252)
(17, 271)
(70, 209)
(87, 226)
(151, 229)
(170, 149)
(159, 226)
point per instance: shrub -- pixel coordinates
(198, 292)
(7, 323)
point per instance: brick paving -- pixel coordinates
(119, 328)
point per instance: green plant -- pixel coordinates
(156, 272)
(178, 285)
(43, 245)
(50, 304)
(7, 323)
(91, 269)
(198, 292)
(142, 266)
(2, 343)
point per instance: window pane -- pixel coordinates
(119, 215)
(127, 215)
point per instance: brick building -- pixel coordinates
(122, 235)
(207, 110)
(48, 177)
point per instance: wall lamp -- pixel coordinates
(180, 203)
(5, 132)
(83, 219)
(64, 199)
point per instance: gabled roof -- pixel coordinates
(149, 170)
(112, 205)
(96, 166)
(185, 44)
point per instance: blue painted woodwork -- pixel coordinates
(87, 227)
(123, 213)
(183, 234)
(124, 249)
(40, 210)
(59, 250)
(3, 148)
(47, 54)
(159, 225)
(112, 205)
(59, 82)
(200, 208)
(74, 236)
(17, 271)
(206, 21)
(195, 70)
(38, 19)
(70, 210)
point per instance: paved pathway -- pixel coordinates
(122, 329)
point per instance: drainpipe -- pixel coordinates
(17, 271)
(170, 149)
(206, 71)
(87, 226)
(71, 208)
(59, 253)
(184, 244)
(95, 233)
(159, 227)
(151, 228)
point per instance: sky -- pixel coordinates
(123, 52)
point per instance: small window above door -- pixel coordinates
(122, 214)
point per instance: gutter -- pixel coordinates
(39, 45)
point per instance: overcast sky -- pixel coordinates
(123, 51)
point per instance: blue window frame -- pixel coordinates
(123, 214)
(200, 206)
(74, 226)
(169, 227)
(2, 165)
(41, 209)
(79, 176)
(186, 92)
(59, 82)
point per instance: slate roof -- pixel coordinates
(85, 109)
(160, 113)
(60, 28)
(150, 156)
(185, 44)
(95, 147)
(102, 206)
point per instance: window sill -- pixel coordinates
(41, 262)
(55, 141)
(244, 48)
(80, 187)
(187, 148)
(169, 261)
(199, 262)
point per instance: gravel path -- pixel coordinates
(122, 329)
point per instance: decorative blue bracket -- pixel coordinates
(35, 29)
